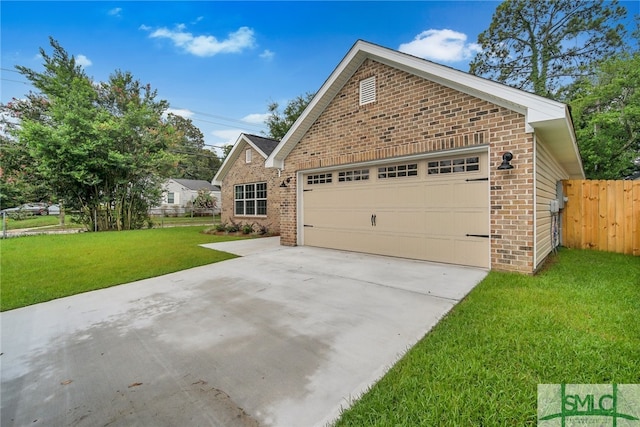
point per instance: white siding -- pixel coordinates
(182, 196)
(548, 172)
(176, 189)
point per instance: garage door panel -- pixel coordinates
(440, 195)
(470, 194)
(411, 246)
(341, 198)
(358, 196)
(471, 252)
(433, 222)
(406, 222)
(408, 195)
(342, 218)
(421, 217)
(323, 200)
(471, 222)
(337, 239)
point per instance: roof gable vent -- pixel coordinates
(368, 90)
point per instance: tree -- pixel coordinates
(204, 202)
(279, 122)
(194, 161)
(226, 150)
(19, 181)
(541, 46)
(606, 112)
(101, 147)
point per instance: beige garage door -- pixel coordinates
(430, 209)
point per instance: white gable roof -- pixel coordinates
(548, 118)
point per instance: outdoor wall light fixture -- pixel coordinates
(506, 158)
(285, 182)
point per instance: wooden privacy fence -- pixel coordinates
(602, 215)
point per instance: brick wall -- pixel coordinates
(247, 173)
(412, 116)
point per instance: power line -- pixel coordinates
(224, 124)
(212, 156)
(228, 119)
(16, 81)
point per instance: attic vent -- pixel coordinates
(368, 90)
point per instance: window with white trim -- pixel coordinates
(398, 171)
(465, 164)
(247, 155)
(320, 178)
(171, 198)
(353, 175)
(368, 90)
(250, 199)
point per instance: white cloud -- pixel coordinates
(236, 41)
(182, 112)
(226, 136)
(115, 11)
(257, 118)
(441, 45)
(267, 54)
(144, 27)
(83, 61)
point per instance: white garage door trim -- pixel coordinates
(421, 157)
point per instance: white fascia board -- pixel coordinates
(325, 94)
(231, 158)
(534, 107)
(574, 140)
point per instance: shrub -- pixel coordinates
(247, 229)
(234, 227)
(263, 229)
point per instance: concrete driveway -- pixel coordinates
(282, 336)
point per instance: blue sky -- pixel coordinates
(222, 63)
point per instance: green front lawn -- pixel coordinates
(52, 221)
(160, 221)
(576, 322)
(41, 268)
(49, 221)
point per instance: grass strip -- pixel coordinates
(37, 221)
(575, 322)
(53, 220)
(40, 268)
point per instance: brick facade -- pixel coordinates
(247, 173)
(413, 116)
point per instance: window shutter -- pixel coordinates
(367, 90)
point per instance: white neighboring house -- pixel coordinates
(179, 194)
